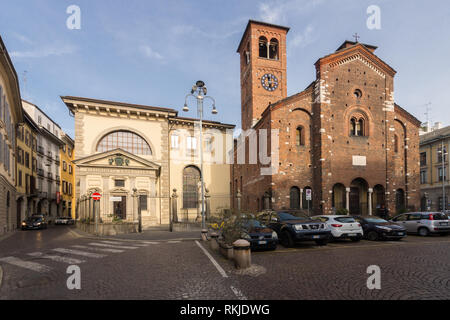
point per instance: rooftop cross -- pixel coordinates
(356, 37)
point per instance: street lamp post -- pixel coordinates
(199, 92)
(443, 154)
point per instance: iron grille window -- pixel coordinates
(191, 177)
(143, 202)
(119, 183)
(125, 140)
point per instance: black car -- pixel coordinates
(292, 229)
(34, 223)
(376, 228)
(259, 235)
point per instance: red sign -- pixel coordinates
(96, 196)
(58, 197)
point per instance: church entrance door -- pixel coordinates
(120, 209)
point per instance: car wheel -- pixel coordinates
(322, 242)
(423, 232)
(372, 236)
(286, 239)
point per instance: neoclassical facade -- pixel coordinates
(135, 156)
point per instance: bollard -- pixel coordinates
(213, 244)
(242, 254)
(204, 235)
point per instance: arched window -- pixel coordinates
(357, 127)
(191, 178)
(273, 49)
(295, 198)
(263, 48)
(395, 143)
(353, 127)
(125, 140)
(360, 127)
(299, 136)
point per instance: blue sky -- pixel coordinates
(151, 52)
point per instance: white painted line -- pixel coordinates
(238, 293)
(174, 241)
(99, 249)
(150, 242)
(79, 253)
(26, 264)
(1, 276)
(111, 246)
(121, 243)
(214, 262)
(56, 258)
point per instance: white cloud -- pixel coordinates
(276, 11)
(150, 53)
(45, 51)
(23, 38)
(303, 39)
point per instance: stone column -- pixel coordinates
(238, 198)
(174, 206)
(207, 204)
(301, 198)
(347, 199)
(370, 191)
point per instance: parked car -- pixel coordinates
(342, 227)
(291, 229)
(423, 223)
(34, 222)
(64, 220)
(375, 228)
(259, 235)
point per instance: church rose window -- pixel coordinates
(125, 140)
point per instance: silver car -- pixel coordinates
(423, 223)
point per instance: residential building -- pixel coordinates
(434, 169)
(10, 116)
(67, 174)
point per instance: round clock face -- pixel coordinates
(269, 82)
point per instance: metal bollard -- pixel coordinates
(213, 244)
(242, 254)
(204, 235)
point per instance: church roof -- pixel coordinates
(348, 43)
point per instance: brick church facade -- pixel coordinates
(343, 137)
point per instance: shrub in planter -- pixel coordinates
(342, 212)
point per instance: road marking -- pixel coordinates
(26, 264)
(111, 246)
(173, 241)
(238, 293)
(214, 262)
(1, 276)
(150, 242)
(79, 253)
(56, 258)
(121, 243)
(99, 249)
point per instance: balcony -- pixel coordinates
(40, 172)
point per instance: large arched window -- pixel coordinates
(125, 140)
(357, 127)
(191, 178)
(263, 47)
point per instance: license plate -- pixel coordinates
(443, 223)
(352, 234)
(400, 233)
(262, 242)
(316, 237)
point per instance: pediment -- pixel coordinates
(117, 158)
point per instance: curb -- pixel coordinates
(89, 236)
(1, 276)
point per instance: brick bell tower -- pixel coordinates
(263, 69)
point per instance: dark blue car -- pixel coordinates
(376, 228)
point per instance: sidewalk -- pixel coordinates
(150, 235)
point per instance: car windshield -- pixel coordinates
(253, 224)
(34, 219)
(288, 216)
(345, 219)
(375, 220)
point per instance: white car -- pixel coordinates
(342, 227)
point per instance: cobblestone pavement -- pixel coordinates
(34, 266)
